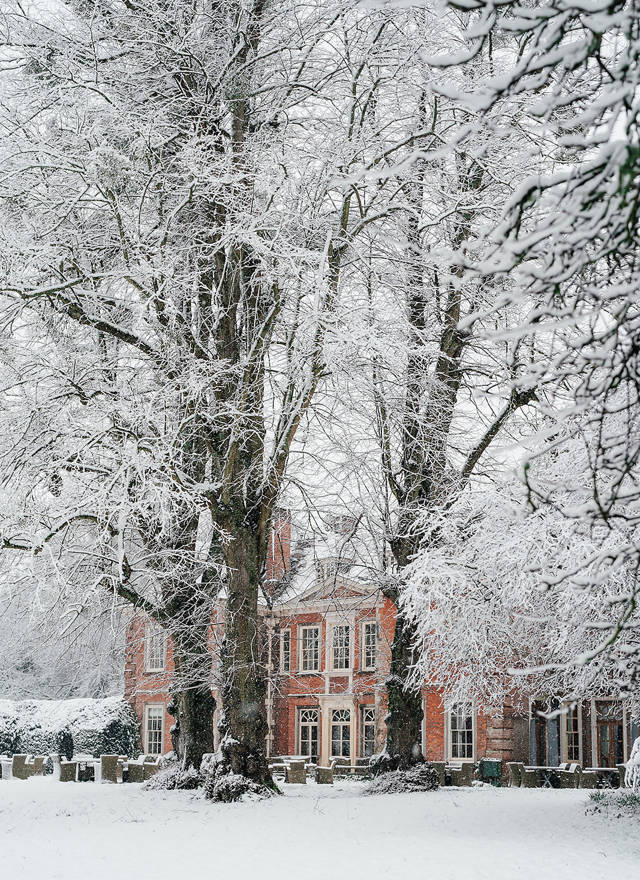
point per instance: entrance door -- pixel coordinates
(609, 722)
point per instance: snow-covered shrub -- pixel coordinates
(421, 777)
(224, 787)
(174, 777)
(87, 726)
(632, 774)
(229, 787)
(615, 804)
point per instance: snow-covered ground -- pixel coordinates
(52, 830)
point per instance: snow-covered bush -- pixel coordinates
(632, 774)
(93, 727)
(615, 804)
(421, 777)
(174, 777)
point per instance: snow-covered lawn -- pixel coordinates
(52, 830)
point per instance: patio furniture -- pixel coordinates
(588, 779)
(608, 777)
(87, 770)
(515, 769)
(6, 767)
(296, 773)
(68, 771)
(109, 770)
(21, 768)
(150, 766)
(439, 767)
(570, 778)
(462, 775)
(529, 777)
(622, 769)
(324, 776)
(55, 763)
(38, 765)
(136, 770)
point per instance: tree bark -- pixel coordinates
(404, 714)
(192, 733)
(244, 726)
(192, 703)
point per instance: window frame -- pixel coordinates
(153, 631)
(573, 706)
(363, 645)
(342, 724)
(334, 648)
(283, 633)
(147, 710)
(299, 725)
(367, 707)
(450, 715)
(301, 658)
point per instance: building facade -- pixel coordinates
(327, 652)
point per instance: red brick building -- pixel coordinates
(327, 653)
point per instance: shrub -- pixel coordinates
(615, 804)
(421, 777)
(69, 727)
(174, 777)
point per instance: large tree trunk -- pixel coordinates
(404, 714)
(192, 733)
(244, 726)
(192, 703)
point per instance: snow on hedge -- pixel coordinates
(77, 726)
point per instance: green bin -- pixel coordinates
(491, 770)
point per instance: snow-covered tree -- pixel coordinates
(572, 235)
(440, 394)
(173, 239)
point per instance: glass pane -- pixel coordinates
(605, 743)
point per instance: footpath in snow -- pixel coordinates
(55, 831)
